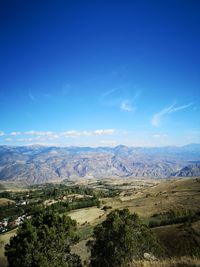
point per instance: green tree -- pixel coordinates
(44, 241)
(120, 239)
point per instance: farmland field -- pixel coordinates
(86, 215)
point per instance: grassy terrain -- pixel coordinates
(86, 215)
(4, 239)
(175, 262)
(180, 240)
(81, 250)
(6, 201)
(176, 195)
(147, 200)
(13, 186)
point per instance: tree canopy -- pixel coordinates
(120, 239)
(44, 241)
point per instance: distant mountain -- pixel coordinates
(190, 170)
(39, 164)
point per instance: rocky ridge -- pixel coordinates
(39, 164)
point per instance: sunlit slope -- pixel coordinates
(181, 194)
(39, 164)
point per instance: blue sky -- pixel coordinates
(100, 73)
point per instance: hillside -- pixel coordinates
(150, 199)
(181, 239)
(189, 171)
(39, 164)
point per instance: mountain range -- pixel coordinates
(40, 164)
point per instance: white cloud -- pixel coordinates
(2, 133)
(107, 143)
(110, 93)
(32, 132)
(36, 136)
(42, 136)
(37, 139)
(74, 133)
(180, 108)
(15, 133)
(71, 133)
(104, 132)
(156, 135)
(156, 119)
(160, 135)
(53, 136)
(126, 106)
(120, 98)
(25, 139)
(9, 139)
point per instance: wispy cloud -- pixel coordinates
(156, 119)
(39, 96)
(104, 132)
(49, 135)
(31, 96)
(8, 139)
(109, 93)
(15, 133)
(2, 133)
(98, 132)
(160, 135)
(71, 133)
(126, 105)
(32, 132)
(36, 139)
(25, 139)
(107, 143)
(112, 97)
(120, 98)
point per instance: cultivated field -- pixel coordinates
(86, 215)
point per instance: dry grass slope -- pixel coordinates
(175, 262)
(5, 201)
(86, 215)
(176, 195)
(4, 239)
(173, 194)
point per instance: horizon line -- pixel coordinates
(79, 146)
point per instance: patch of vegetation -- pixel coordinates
(44, 241)
(82, 202)
(85, 231)
(27, 202)
(173, 262)
(120, 239)
(105, 208)
(63, 206)
(174, 217)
